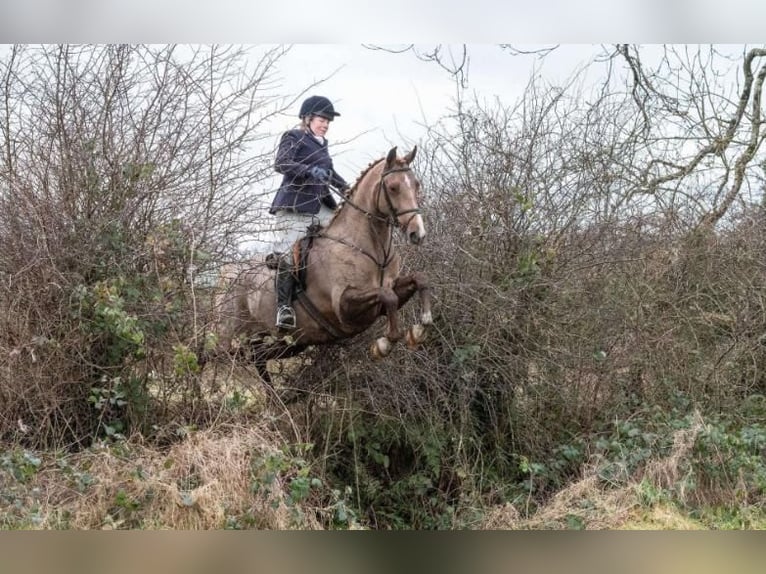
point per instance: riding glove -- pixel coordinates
(320, 173)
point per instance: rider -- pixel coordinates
(304, 194)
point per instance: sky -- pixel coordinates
(386, 99)
(383, 96)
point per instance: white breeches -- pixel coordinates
(290, 226)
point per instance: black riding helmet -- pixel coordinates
(317, 106)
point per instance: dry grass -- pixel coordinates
(196, 484)
(590, 504)
(595, 507)
(666, 472)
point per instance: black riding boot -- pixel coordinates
(284, 282)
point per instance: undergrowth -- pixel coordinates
(677, 470)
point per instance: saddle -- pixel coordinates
(298, 269)
(298, 256)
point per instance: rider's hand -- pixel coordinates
(320, 174)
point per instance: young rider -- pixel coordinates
(304, 195)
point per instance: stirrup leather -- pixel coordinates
(285, 317)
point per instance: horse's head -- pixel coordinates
(397, 195)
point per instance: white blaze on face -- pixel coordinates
(419, 226)
(417, 222)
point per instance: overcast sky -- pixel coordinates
(387, 99)
(384, 93)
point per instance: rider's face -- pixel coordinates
(319, 125)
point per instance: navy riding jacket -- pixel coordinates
(298, 152)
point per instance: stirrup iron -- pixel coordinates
(285, 317)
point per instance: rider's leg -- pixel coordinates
(284, 283)
(288, 228)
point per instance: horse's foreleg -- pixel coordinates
(382, 346)
(355, 304)
(405, 287)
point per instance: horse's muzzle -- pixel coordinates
(416, 231)
(416, 238)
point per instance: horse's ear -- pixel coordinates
(391, 158)
(410, 156)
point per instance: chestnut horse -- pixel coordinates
(351, 275)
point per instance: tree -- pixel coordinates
(125, 173)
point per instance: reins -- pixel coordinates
(388, 253)
(391, 220)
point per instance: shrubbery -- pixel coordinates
(585, 329)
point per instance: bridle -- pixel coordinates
(394, 215)
(392, 219)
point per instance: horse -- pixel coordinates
(350, 275)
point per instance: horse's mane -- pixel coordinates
(364, 172)
(349, 194)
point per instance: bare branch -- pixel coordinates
(444, 56)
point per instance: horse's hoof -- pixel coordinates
(416, 334)
(380, 348)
